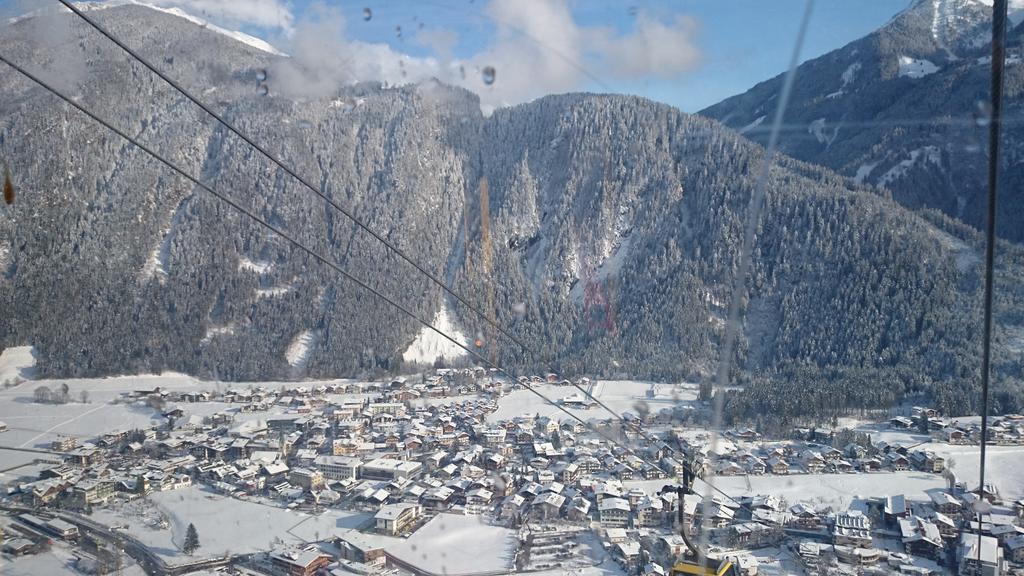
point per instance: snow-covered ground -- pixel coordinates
(619, 395)
(757, 122)
(32, 425)
(835, 490)
(1003, 463)
(298, 351)
(17, 362)
(257, 43)
(224, 524)
(60, 559)
(916, 67)
(459, 545)
(429, 345)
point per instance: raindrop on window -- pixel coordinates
(489, 74)
(519, 308)
(367, 14)
(632, 11)
(8, 187)
(262, 90)
(398, 32)
(982, 112)
(261, 75)
(462, 72)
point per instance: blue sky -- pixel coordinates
(741, 42)
(688, 53)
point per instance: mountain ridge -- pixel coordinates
(615, 225)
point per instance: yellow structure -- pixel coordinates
(713, 568)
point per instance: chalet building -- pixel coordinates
(778, 466)
(953, 435)
(805, 516)
(300, 562)
(979, 556)
(901, 423)
(395, 519)
(307, 479)
(869, 464)
(547, 505)
(614, 512)
(897, 461)
(1015, 549)
(945, 503)
(754, 535)
(894, 508)
(94, 491)
(921, 537)
(927, 461)
(852, 528)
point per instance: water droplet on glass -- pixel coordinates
(462, 72)
(263, 90)
(261, 75)
(367, 14)
(519, 308)
(8, 187)
(982, 112)
(398, 32)
(489, 74)
(633, 10)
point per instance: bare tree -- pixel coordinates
(60, 395)
(43, 394)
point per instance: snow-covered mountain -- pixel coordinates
(614, 226)
(904, 108)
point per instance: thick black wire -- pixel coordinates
(306, 183)
(401, 254)
(999, 15)
(479, 314)
(319, 257)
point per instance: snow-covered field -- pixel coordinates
(58, 560)
(224, 524)
(17, 362)
(835, 490)
(619, 395)
(1004, 466)
(34, 425)
(459, 545)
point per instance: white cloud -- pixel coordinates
(323, 59)
(654, 48)
(537, 48)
